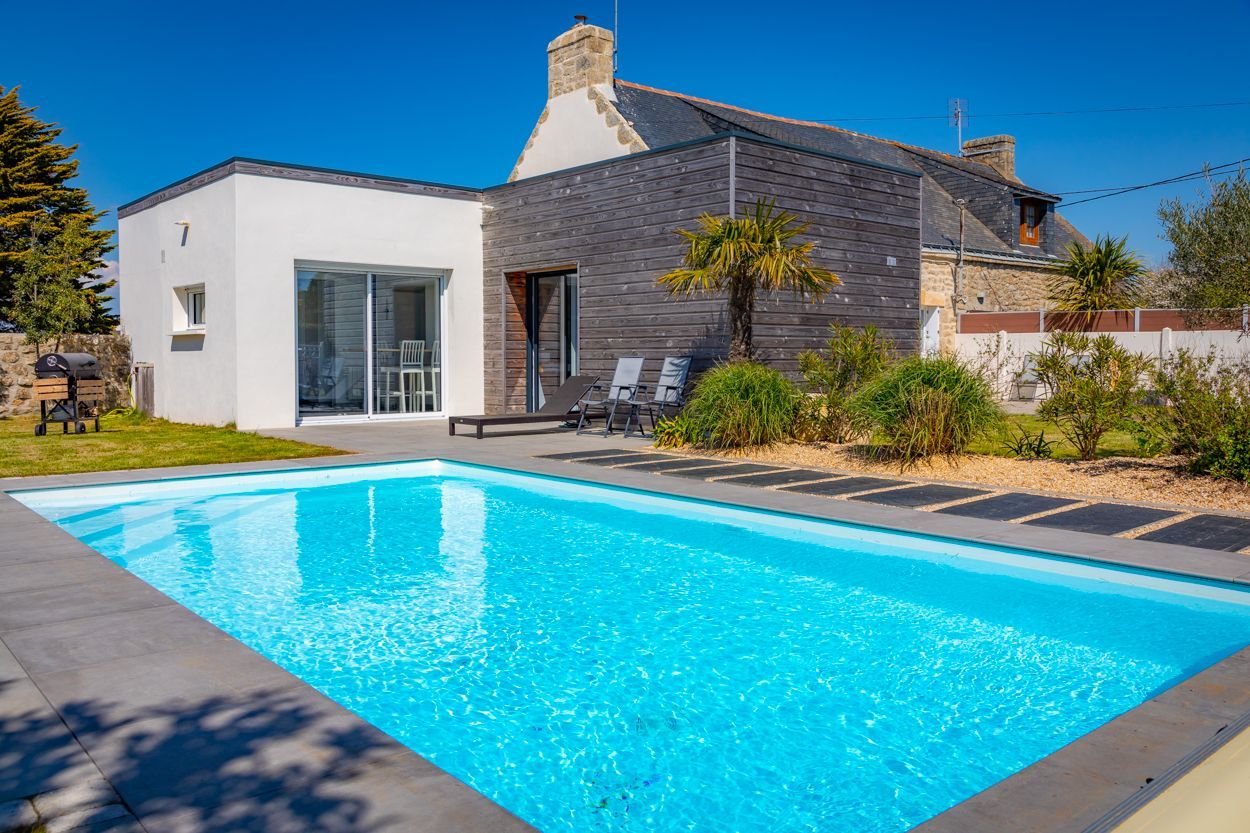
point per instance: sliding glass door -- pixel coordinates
(368, 344)
(551, 327)
(330, 334)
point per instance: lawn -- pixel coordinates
(1113, 444)
(135, 442)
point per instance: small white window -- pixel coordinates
(188, 312)
(195, 308)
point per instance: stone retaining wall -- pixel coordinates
(17, 368)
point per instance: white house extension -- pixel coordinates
(306, 284)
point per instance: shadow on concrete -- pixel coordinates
(271, 761)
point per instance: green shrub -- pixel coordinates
(1206, 414)
(1227, 454)
(1094, 386)
(925, 406)
(675, 431)
(741, 404)
(851, 359)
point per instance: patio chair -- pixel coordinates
(622, 391)
(669, 393)
(559, 407)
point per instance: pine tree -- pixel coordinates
(37, 204)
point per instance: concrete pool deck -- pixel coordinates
(123, 710)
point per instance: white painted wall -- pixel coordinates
(283, 222)
(1004, 353)
(574, 133)
(194, 375)
(247, 236)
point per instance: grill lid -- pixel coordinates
(72, 365)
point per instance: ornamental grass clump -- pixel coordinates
(851, 358)
(738, 405)
(1094, 386)
(927, 406)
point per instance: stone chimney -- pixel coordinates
(580, 58)
(999, 152)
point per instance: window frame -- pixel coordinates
(195, 308)
(1031, 232)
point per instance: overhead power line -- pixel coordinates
(1215, 170)
(1029, 113)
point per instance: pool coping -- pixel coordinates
(1085, 786)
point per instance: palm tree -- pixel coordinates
(741, 256)
(1103, 276)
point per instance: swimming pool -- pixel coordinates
(605, 659)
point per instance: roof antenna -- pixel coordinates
(616, 35)
(958, 117)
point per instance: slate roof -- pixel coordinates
(665, 118)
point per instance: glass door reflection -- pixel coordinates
(407, 344)
(330, 343)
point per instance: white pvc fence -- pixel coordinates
(1003, 354)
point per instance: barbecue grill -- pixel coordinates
(69, 389)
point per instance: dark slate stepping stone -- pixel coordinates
(1212, 532)
(627, 457)
(1007, 507)
(579, 455)
(670, 464)
(721, 471)
(844, 486)
(783, 477)
(920, 495)
(1103, 518)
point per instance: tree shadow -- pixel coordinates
(274, 760)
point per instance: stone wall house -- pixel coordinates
(1012, 236)
(17, 368)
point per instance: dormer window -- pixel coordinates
(1031, 212)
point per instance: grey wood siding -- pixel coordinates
(860, 216)
(615, 223)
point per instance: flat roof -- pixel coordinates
(301, 173)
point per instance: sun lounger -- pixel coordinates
(558, 408)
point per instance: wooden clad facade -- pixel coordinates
(866, 224)
(614, 222)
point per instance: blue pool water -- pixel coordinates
(605, 660)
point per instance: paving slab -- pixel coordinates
(1007, 507)
(1102, 518)
(402, 795)
(844, 486)
(617, 459)
(38, 753)
(30, 544)
(921, 495)
(115, 593)
(1212, 532)
(135, 688)
(98, 639)
(578, 455)
(783, 477)
(10, 668)
(220, 752)
(672, 464)
(722, 470)
(40, 575)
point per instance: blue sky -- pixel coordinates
(449, 91)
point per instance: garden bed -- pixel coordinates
(1143, 480)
